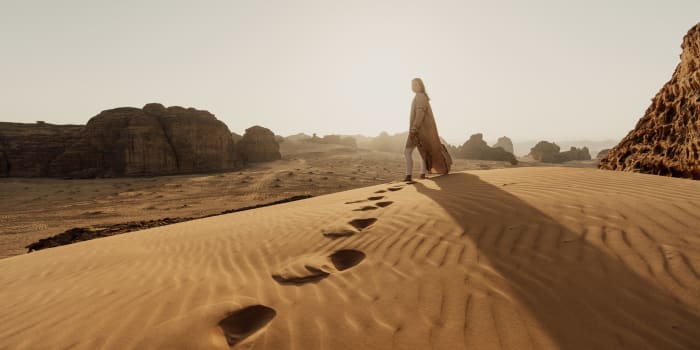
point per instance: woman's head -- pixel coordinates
(418, 87)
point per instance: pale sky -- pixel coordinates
(526, 69)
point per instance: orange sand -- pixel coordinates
(526, 258)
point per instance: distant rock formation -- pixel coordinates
(476, 148)
(120, 142)
(151, 141)
(27, 150)
(666, 140)
(548, 152)
(297, 137)
(258, 145)
(505, 143)
(333, 140)
(236, 137)
(576, 154)
(602, 154)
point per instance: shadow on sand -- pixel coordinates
(584, 297)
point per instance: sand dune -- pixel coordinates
(525, 258)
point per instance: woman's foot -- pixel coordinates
(423, 176)
(407, 178)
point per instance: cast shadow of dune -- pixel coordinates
(582, 296)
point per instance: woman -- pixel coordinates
(423, 134)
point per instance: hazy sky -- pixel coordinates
(527, 69)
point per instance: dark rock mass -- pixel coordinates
(505, 143)
(120, 142)
(476, 148)
(27, 150)
(666, 140)
(258, 145)
(548, 152)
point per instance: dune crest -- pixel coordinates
(527, 258)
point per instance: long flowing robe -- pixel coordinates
(426, 139)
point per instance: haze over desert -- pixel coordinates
(318, 175)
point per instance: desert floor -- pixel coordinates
(522, 258)
(31, 209)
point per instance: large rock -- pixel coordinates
(666, 140)
(548, 152)
(258, 145)
(602, 154)
(27, 150)
(476, 148)
(505, 143)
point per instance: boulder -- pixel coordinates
(476, 148)
(505, 143)
(602, 154)
(258, 145)
(666, 140)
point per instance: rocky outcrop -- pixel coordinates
(27, 150)
(120, 142)
(602, 154)
(666, 140)
(548, 152)
(258, 145)
(575, 154)
(476, 148)
(505, 143)
(151, 141)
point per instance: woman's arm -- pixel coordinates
(421, 106)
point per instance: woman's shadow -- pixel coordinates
(584, 297)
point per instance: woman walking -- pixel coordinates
(423, 135)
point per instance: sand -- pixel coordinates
(525, 258)
(32, 209)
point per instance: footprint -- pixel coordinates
(380, 191)
(375, 198)
(242, 323)
(236, 323)
(394, 189)
(383, 204)
(313, 268)
(362, 224)
(366, 208)
(339, 231)
(354, 202)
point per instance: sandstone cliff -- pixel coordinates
(666, 140)
(120, 142)
(27, 150)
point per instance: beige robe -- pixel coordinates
(436, 158)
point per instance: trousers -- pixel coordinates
(408, 154)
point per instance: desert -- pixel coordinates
(307, 175)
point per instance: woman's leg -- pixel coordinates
(408, 154)
(423, 171)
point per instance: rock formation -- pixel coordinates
(120, 142)
(548, 152)
(27, 150)
(258, 145)
(602, 154)
(666, 140)
(505, 143)
(476, 148)
(151, 141)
